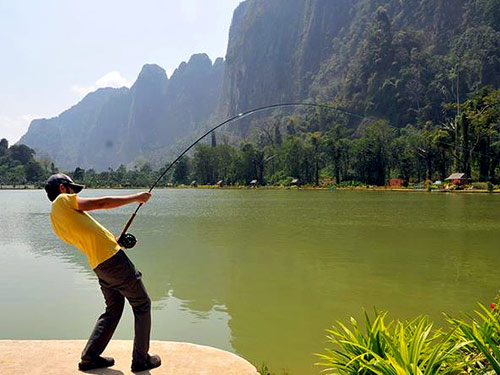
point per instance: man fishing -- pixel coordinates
(117, 276)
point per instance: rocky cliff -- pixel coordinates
(115, 126)
(276, 47)
(286, 50)
(392, 59)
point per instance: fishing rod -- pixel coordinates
(128, 240)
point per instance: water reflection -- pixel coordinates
(263, 273)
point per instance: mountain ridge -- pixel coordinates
(112, 126)
(393, 60)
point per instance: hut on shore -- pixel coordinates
(458, 178)
(397, 182)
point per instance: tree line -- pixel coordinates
(316, 148)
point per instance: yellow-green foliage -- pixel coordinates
(469, 346)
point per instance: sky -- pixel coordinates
(54, 52)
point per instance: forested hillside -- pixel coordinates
(397, 59)
(425, 74)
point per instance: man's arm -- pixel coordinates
(88, 204)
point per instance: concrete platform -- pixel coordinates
(61, 357)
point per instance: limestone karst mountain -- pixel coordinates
(110, 126)
(392, 59)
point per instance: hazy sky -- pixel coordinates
(54, 52)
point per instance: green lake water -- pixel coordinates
(259, 273)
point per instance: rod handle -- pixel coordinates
(130, 220)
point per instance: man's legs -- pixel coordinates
(120, 275)
(106, 324)
(137, 296)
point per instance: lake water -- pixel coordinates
(259, 273)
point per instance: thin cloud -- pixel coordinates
(112, 79)
(14, 127)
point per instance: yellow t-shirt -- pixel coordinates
(81, 230)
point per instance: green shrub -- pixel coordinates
(276, 178)
(280, 179)
(479, 340)
(471, 345)
(491, 187)
(399, 348)
(350, 184)
(480, 185)
(264, 370)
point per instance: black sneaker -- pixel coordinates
(99, 362)
(153, 361)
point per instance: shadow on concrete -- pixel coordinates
(103, 371)
(109, 371)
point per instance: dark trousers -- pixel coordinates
(119, 279)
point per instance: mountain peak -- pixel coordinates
(199, 63)
(200, 59)
(151, 75)
(219, 61)
(152, 70)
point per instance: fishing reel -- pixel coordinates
(127, 240)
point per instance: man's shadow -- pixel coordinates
(103, 371)
(109, 371)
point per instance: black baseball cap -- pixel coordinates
(52, 185)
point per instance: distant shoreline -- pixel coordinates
(214, 187)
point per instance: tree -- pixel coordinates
(34, 172)
(278, 139)
(316, 154)
(482, 113)
(205, 164)
(226, 155)
(423, 143)
(293, 157)
(442, 141)
(372, 64)
(120, 177)
(492, 13)
(90, 178)
(45, 161)
(214, 140)
(372, 153)
(181, 171)
(53, 168)
(79, 174)
(21, 153)
(474, 131)
(403, 158)
(336, 150)
(248, 162)
(16, 176)
(4, 146)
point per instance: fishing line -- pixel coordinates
(128, 240)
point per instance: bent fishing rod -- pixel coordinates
(128, 240)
